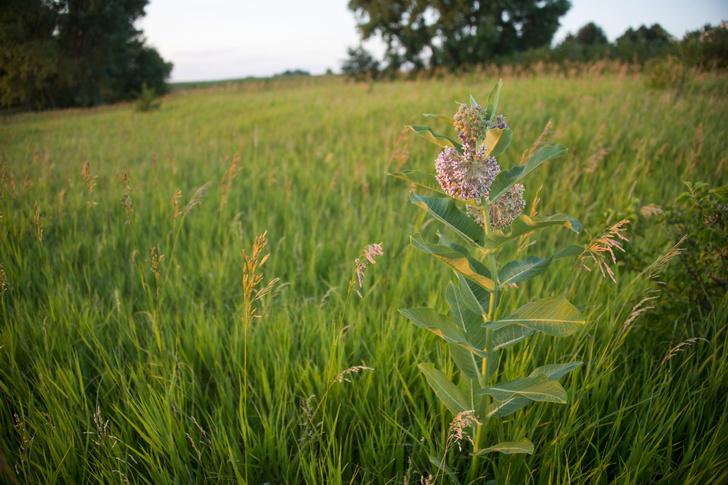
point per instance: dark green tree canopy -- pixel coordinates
(457, 32)
(591, 34)
(56, 53)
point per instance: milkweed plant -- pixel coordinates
(482, 204)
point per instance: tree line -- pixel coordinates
(63, 53)
(454, 34)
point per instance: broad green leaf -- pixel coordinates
(553, 315)
(497, 141)
(524, 224)
(439, 117)
(470, 322)
(510, 335)
(441, 465)
(445, 210)
(458, 259)
(506, 179)
(442, 326)
(539, 388)
(427, 133)
(469, 298)
(493, 98)
(516, 271)
(425, 180)
(445, 390)
(508, 448)
(472, 293)
(469, 364)
(516, 403)
(555, 371)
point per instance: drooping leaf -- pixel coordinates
(428, 134)
(539, 388)
(510, 335)
(425, 180)
(508, 448)
(506, 179)
(445, 210)
(497, 141)
(553, 315)
(470, 322)
(458, 259)
(516, 403)
(442, 326)
(439, 117)
(475, 293)
(524, 224)
(445, 390)
(516, 271)
(555, 371)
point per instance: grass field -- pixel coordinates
(111, 374)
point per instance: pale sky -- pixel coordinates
(227, 39)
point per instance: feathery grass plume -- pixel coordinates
(681, 347)
(604, 244)
(664, 259)
(538, 143)
(698, 140)
(400, 152)
(175, 201)
(126, 202)
(88, 177)
(38, 223)
(252, 276)
(459, 425)
(367, 256)
(3, 280)
(351, 370)
(13, 186)
(156, 259)
(197, 198)
(227, 179)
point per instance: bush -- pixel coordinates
(699, 219)
(146, 99)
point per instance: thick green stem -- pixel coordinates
(487, 370)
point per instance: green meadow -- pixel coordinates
(118, 365)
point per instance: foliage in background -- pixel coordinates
(426, 33)
(60, 53)
(698, 220)
(146, 99)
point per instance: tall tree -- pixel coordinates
(74, 52)
(458, 32)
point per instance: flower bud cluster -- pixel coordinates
(503, 212)
(471, 124)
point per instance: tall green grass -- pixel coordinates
(104, 380)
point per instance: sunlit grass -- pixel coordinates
(105, 379)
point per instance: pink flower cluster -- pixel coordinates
(468, 174)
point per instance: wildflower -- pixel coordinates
(500, 122)
(471, 124)
(503, 212)
(466, 175)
